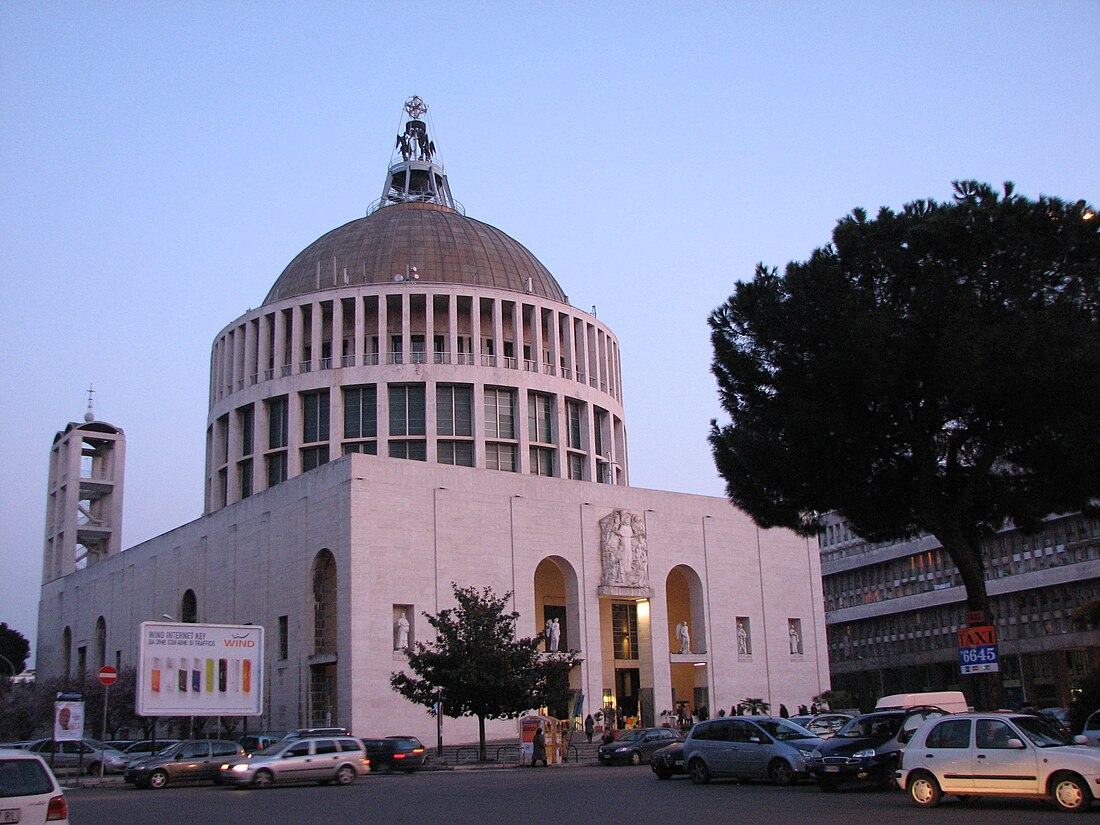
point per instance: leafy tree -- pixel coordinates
(931, 371)
(478, 667)
(15, 648)
(753, 706)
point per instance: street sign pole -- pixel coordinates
(107, 677)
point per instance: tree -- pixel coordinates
(931, 371)
(14, 648)
(753, 706)
(477, 667)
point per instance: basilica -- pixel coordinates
(417, 403)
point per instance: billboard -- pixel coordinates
(200, 669)
(68, 718)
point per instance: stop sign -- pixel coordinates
(108, 675)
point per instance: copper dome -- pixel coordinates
(444, 246)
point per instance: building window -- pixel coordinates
(406, 409)
(246, 419)
(500, 457)
(576, 467)
(573, 414)
(413, 450)
(324, 603)
(454, 410)
(277, 423)
(540, 417)
(542, 461)
(189, 608)
(624, 623)
(315, 416)
(500, 413)
(284, 638)
(244, 476)
(276, 468)
(313, 457)
(365, 447)
(460, 453)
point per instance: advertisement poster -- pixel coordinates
(68, 721)
(200, 670)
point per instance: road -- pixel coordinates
(539, 796)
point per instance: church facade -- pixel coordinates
(416, 403)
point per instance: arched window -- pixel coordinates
(100, 642)
(189, 608)
(324, 603)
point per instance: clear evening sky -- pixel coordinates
(162, 163)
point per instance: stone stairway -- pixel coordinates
(505, 752)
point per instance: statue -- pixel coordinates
(796, 641)
(548, 631)
(683, 635)
(555, 636)
(402, 632)
(742, 638)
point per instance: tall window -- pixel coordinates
(315, 416)
(361, 418)
(573, 422)
(460, 453)
(244, 476)
(277, 423)
(412, 450)
(246, 418)
(454, 410)
(624, 623)
(542, 461)
(500, 413)
(540, 417)
(276, 468)
(500, 457)
(406, 409)
(576, 467)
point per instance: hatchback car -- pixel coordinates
(396, 753)
(338, 759)
(865, 751)
(748, 747)
(29, 793)
(668, 761)
(998, 754)
(88, 754)
(636, 746)
(192, 760)
(147, 747)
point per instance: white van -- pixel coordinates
(953, 701)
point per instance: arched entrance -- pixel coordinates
(687, 635)
(558, 615)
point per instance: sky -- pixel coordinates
(161, 163)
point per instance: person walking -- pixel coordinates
(589, 727)
(538, 753)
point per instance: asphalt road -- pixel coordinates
(538, 796)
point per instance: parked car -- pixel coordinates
(865, 751)
(338, 759)
(997, 754)
(668, 761)
(258, 741)
(635, 746)
(1091, 731)
(748, 747)
(29, 793)
(192, 760)
(88, 753)
(147, 747)
(395, 753)
(823, 725)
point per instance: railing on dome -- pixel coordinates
(426, 197)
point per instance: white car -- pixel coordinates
(1091, 730)
(998, 754)
(29, 793)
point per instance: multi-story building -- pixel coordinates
(892, 611)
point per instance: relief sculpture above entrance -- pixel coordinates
(624, 555)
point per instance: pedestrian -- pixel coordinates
(783, 712)
(813, 708)
(608, 736)
(538, 752)
(589, 727)
(803, 710)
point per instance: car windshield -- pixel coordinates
(631, 735)
(785, 731)
(23, 777)
(171, 750)
(274, 747)
(871, 727)
(1041, 732)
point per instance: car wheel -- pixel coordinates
(924, 790)
(346, 775)
(698, 771)
(635, 758)
(1069, 792)
(158, 779)
(263, 779)
(780, 772)
(93, 768)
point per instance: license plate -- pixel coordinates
(678, 762)
(9, 815)
(832, 769)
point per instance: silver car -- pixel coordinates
(339, 759)
(87, 753)
(748, 747)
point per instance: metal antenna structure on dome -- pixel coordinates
(417, 177)
(89, 416)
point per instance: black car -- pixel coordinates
(396, 753)
(636, 746)
(865, 751)
(668, 761)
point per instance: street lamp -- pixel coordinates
(10, 665)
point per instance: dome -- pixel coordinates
(442, 244)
